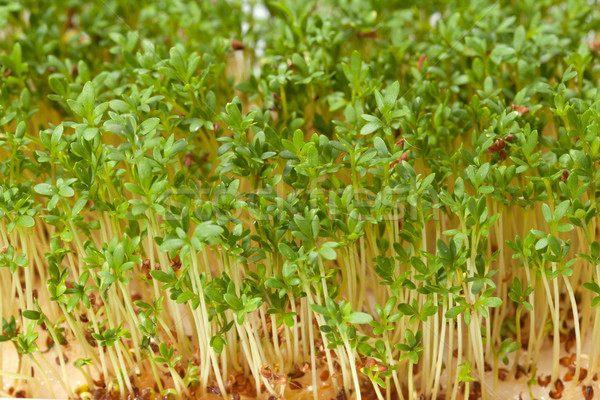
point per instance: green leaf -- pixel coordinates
(207, 230)
(593, 286)
(33, 315)
(569, 74)
(561, 210)
(573, 119)
(87, 98)
(391, 94)
(287, 251)
(370, 127)
(327, 253)
(381, 147)
(217, 343)
(319, 309)
(454, 311)
(359, 318)
(185, 297)
(144, 173)
(45, 189)
(162, 276)
(491, 302)
(147, 126)
(171, 244)
(547, 213)
(25, 221)
(233, 301)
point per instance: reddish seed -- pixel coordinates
(295, 385)
(554, 394)
(145, 268)
(381, 368)
(400, 143)
(371, 34)
(502, 374)
(240, 379)
(569, 343)
(594, 46)
(544, 381)
(588, 392)
(175, 262)
(266, 372)
(296, 374)
(509, 138)
(213, 390)
(237, 45)
(498, 147)
(324, 375)
(422, 59)
(65, 358)
(216, 126)
(569, 375)
(305, 367)
(70, 18)
(520, 109)
(74, 71)
(100, 381)
(7, 72)
(565, 361)
(520, 371)
(564, 176)
(188, 160)
(403, 157)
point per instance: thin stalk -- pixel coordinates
(43, 374)
(577, 332)
(352, 361)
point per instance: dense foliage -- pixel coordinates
(398, 198)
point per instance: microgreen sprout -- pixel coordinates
(271, 199)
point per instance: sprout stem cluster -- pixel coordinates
(321, 199)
